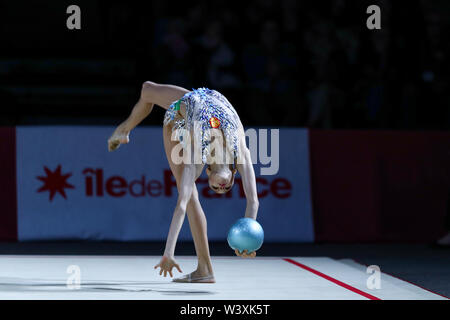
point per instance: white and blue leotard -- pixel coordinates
(202, 105)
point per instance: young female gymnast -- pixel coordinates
(191, 120)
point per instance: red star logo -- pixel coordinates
(55, 182)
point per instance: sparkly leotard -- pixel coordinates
(206, 109)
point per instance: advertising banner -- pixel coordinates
(70, 187)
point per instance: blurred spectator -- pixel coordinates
(316, 61)
(219, 58)
(270, 69)
(172, 56)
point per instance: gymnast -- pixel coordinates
(206, 128)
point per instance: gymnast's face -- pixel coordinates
(220, 178)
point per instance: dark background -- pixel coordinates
(280, 62)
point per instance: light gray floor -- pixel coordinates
(422, 264)
(133, 277)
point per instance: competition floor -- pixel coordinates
(133, 277)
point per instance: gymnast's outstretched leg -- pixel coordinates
(151, 94)
(197, 221)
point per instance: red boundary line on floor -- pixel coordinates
(396, 277)
(335, 281)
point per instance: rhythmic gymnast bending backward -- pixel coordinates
(193, 121)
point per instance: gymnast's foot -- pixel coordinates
(119, 136)
(196, 277)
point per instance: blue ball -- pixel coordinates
(246, 234)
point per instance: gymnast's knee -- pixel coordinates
(148, 91)
(194, 197)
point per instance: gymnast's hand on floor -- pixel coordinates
(117, 138)
(244, 254)
(166, 264)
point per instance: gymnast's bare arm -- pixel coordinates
(245, 168)
(185, 189)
